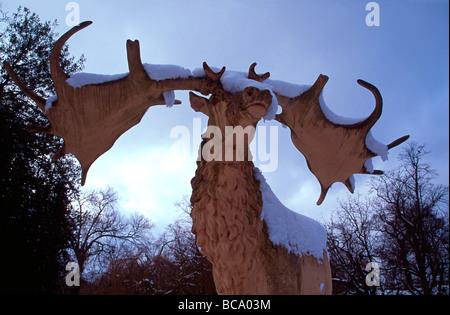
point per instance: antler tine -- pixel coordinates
(253, 76)
(40, 102)
(397, 142)
(211, 74)
(376, 114)
(58, 75)
(134, 60)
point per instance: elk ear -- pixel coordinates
(199, 104)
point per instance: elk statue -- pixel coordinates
(233, 207)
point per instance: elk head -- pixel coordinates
(232, 116)
(232, 109)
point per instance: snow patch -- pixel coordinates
(368, 165)
(335, 118)
(376, 146)
(164, 72)
(169, 98)
(50, 101)
(352, 181)
(287, 89)
(81, 79)
(235, 82)
(297, 233)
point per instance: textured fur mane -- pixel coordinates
(226, 213)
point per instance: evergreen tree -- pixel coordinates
(34, 192)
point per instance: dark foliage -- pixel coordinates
(34, 192)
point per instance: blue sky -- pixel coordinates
(406, 57)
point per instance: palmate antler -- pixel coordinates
(92, 117)
(334, 152)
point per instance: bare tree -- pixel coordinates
(171, 264)
(351, 236)
(177, 265)
(189, 271)
(99, 227)
(403, 227)
(413, 212)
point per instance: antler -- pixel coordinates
(92, 117)
(253, 76)
(211, 74)
(333, 151)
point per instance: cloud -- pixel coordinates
(149, 181)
